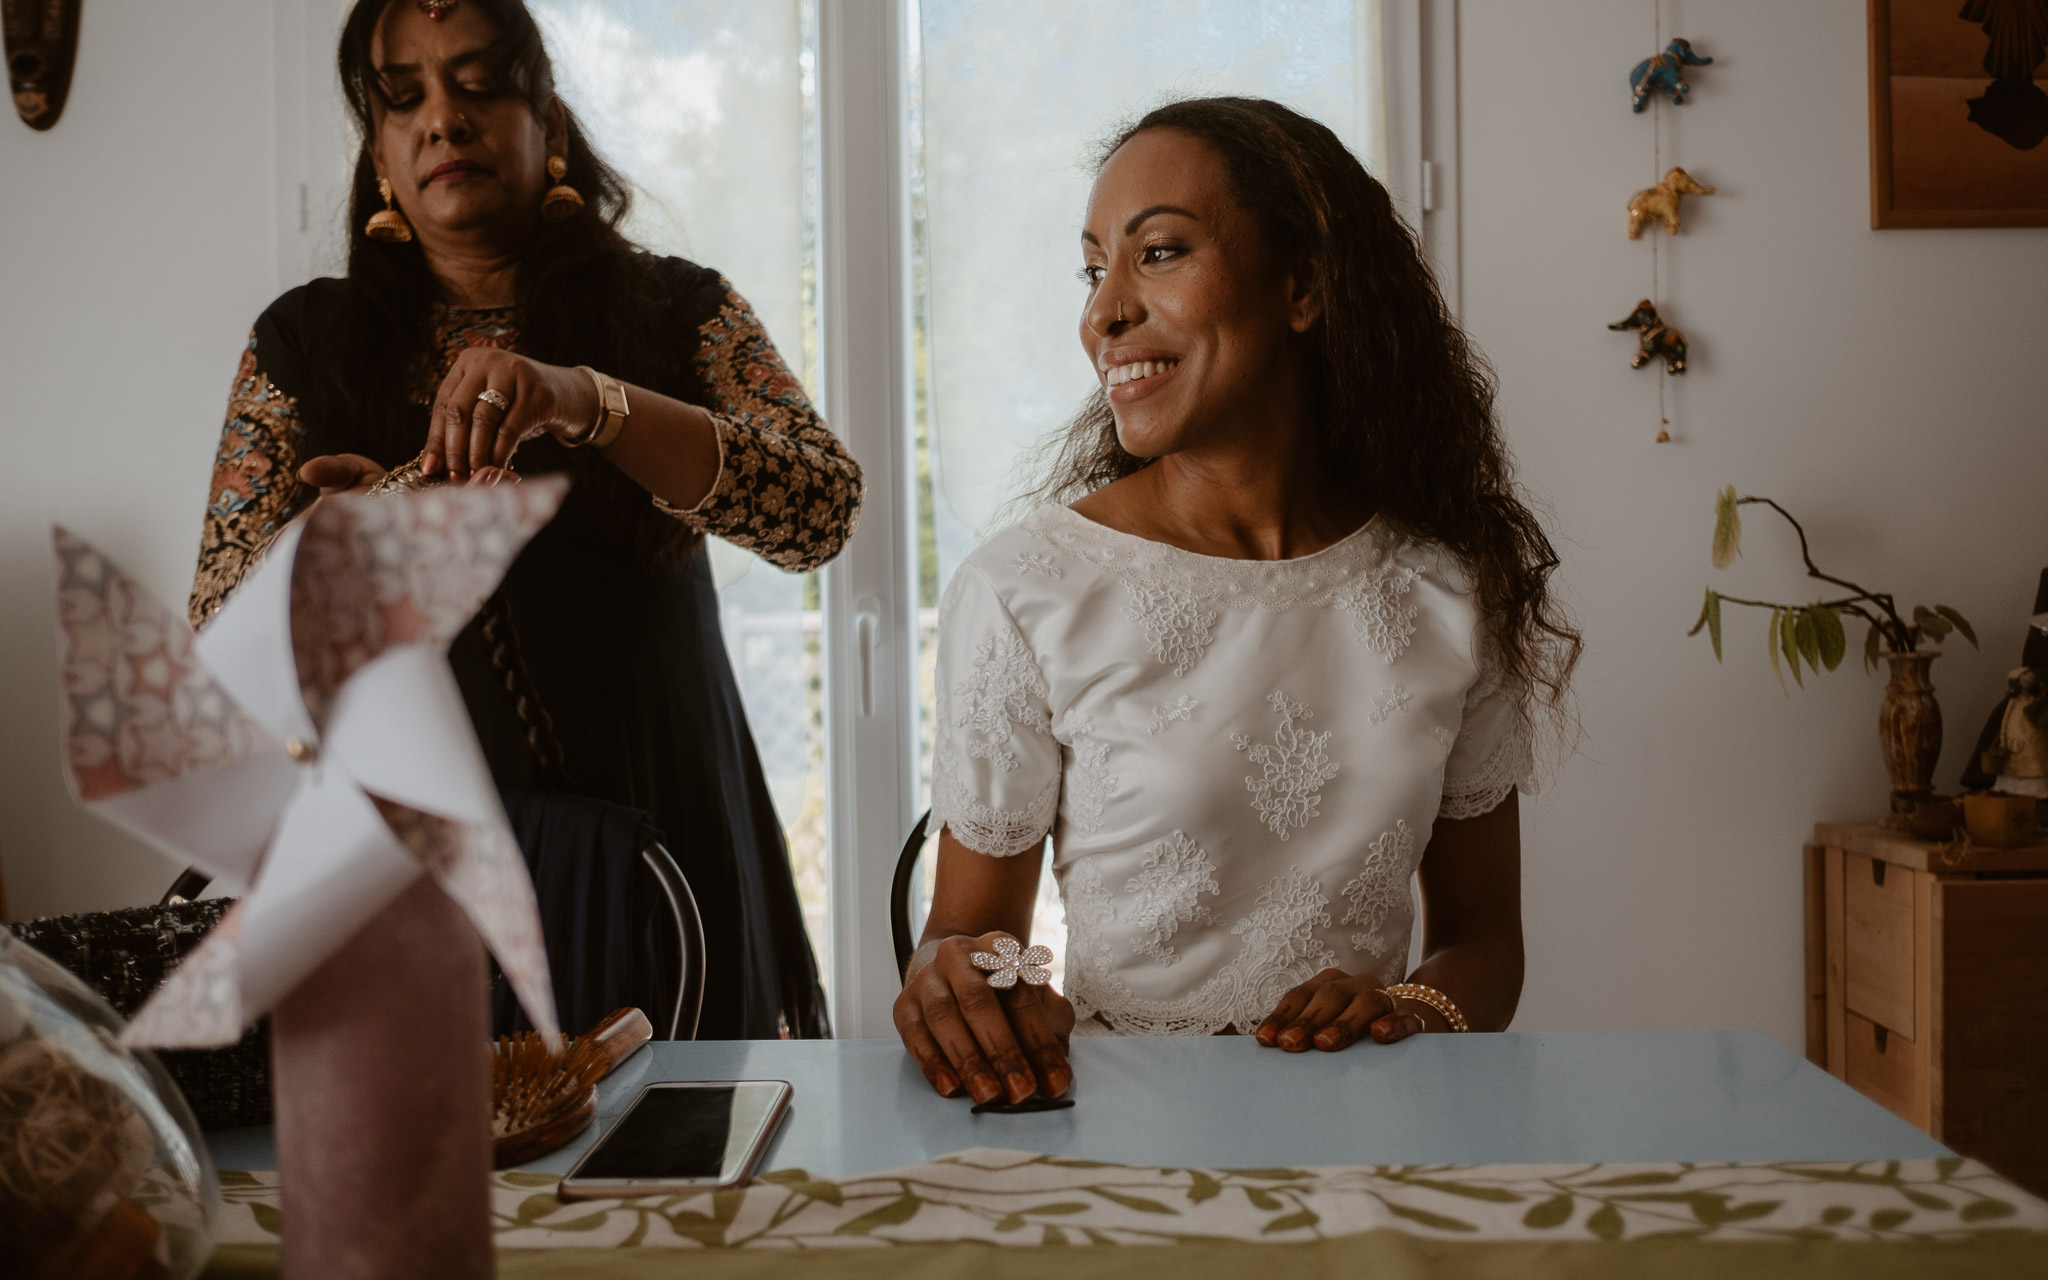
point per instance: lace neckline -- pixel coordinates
(1153, 549)
(1356, 572)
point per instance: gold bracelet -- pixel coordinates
(612, 412)
(1435, 999)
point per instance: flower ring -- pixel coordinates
(495, 398)
(1012, 961)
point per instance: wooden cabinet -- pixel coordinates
(1927, 986)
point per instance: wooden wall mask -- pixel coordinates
(42, 42)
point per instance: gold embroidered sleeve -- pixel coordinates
(787, 489)
(256, 489)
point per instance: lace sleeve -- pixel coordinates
(256, 489)
(1494, 751)
(995, 763)
(787, 489)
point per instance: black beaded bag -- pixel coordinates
(125, 956)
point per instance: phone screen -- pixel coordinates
(687, 1131)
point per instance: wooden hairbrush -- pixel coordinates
(541, 1099)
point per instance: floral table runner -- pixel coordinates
(1021, 1200)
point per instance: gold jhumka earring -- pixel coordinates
(562, 200)
(388, 224)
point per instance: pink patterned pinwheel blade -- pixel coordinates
(199, 1006)
(478, 864)
(374, 571)
(139, 707)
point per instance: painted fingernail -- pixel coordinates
(1022, 1085)
(983, 1088)
(1329, 1038)
(946, 1084)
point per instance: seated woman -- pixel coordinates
(1289, 643)
(491, 304)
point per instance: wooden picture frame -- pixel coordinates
(1949, 144)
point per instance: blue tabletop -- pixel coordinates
(1224, 1102)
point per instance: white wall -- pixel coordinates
(141, 237)
(1885, 386)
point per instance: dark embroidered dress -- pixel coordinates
(624, 649)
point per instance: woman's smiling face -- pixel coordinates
(1206, 346)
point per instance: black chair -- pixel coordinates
(899, 894)
(682, 905)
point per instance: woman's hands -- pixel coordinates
(1010, 1044)
(468, 434)
(1333, 1009)
(333, 473)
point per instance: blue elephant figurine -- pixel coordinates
(1664, 73)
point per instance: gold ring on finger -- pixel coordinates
(495, 398)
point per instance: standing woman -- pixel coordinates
(1280, 638)
(492, 305)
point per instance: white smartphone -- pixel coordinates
(684, 1135)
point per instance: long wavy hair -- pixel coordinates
(1403, 405)
(585, 295)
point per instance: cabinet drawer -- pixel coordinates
(1887, 1068)
(1878, 956)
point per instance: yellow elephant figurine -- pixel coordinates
(1661, 202)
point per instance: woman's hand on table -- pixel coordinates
(469, 434)
(1333, 1009)
(964, 1033)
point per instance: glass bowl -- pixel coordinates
(103, 1175)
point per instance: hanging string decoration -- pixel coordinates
(1650, 82)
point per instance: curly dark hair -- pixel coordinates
(586, 294)
(1403, 403)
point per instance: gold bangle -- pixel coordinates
(612, 412)
(1435, 999)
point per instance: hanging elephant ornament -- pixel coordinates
(42, 41)
(1664, 73)
(1657, 339)
(1660, 203)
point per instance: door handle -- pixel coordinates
(867, 637)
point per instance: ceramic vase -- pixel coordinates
(1909, 724)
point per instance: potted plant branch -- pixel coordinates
(1909, 725)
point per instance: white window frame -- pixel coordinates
(869, 593)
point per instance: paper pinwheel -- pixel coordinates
(309, 747)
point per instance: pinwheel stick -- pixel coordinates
(384, 1101)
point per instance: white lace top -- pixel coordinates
(1240, 761)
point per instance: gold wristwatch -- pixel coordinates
(612, 412)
